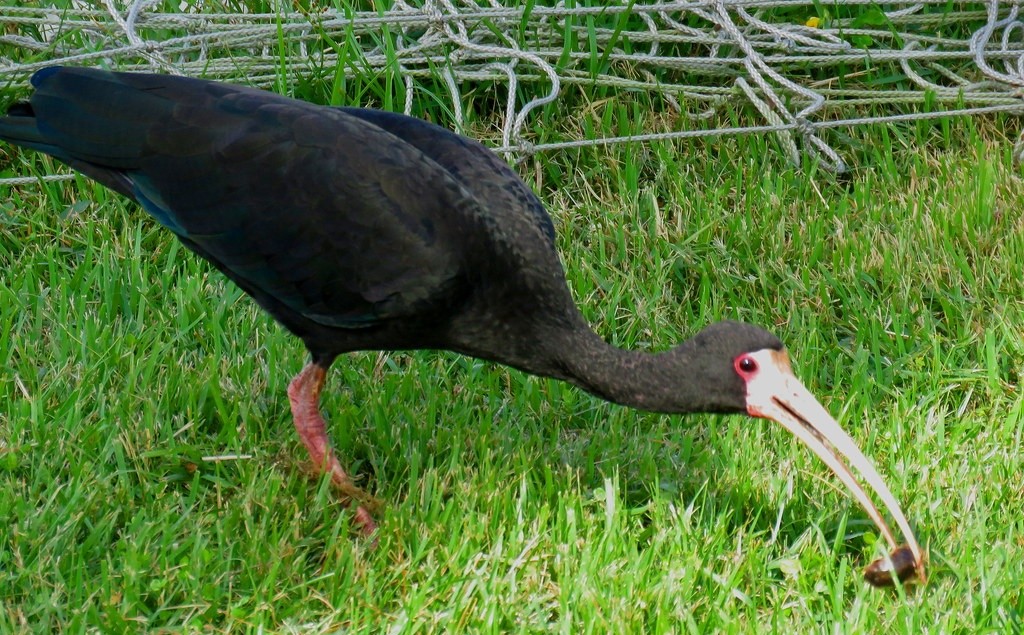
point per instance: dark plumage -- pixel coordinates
(360, 229)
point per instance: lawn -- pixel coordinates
(150, 477)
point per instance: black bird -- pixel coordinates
(359, 229)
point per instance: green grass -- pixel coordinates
(517, 504)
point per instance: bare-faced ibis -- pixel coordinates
(359, 229)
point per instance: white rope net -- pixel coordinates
(803, 65)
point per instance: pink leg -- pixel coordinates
(304, 394)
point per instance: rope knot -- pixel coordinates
(525, 149)
(804, 126)
(435, 17)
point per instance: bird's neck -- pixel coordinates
(667, 381)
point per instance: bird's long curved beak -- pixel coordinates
(773, 392)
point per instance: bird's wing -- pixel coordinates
(479, 170)
(304, 206)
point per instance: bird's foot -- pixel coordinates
(343, 484)
(304, 395)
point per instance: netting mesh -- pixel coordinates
(803, 65)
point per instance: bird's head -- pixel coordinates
(752, 370)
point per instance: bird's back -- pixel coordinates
(354, 228)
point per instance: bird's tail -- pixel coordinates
(19, 128)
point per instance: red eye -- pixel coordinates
(746, 365)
